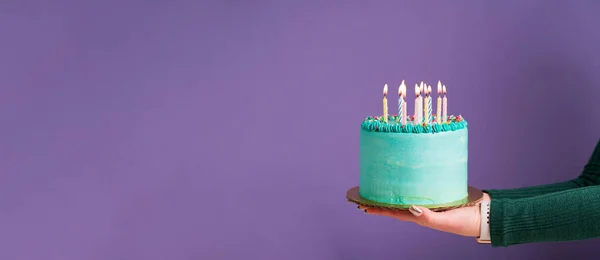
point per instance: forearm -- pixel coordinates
(572, 214)
(589, 177)
(532, 191)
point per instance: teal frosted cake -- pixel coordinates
(419, 159)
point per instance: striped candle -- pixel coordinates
(429, 110)
(401, 102)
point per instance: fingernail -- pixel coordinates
(415, 211)
(361, 209)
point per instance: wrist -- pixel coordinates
(486, 197)
(484, 222)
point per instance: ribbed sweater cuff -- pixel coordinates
(491, 192)
(497, 222)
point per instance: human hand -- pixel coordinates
(462, 221)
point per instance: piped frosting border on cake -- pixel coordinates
(377, 124)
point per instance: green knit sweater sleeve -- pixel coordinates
(572, 214)
(589, 177)
(555, 212)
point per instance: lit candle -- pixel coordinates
(445, 108)
(401, 102)
(385, 105)
(404, 107)
(425, 111)
(417, 110)
(429, 110)
(439, 103)
(421, 92)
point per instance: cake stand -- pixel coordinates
(475, 196)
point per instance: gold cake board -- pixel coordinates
(475, 196)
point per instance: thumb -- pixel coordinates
(424, 216)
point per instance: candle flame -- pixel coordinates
(401, 88)
(429, 90)
(439, 87)
(403, 92)
(385, 87)
(444, 89)
(417, 90)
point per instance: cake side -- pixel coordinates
(404, 167)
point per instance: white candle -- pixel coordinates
(422, 104)
(404, 104)
(445, 106)
(421, 92)
(385, 105)
(401, 102)
(438, 113)
(417, 93)
(425, 98)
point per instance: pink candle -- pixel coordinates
(438, 113)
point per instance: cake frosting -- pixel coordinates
(414, 163)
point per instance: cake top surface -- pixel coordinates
(393, 125)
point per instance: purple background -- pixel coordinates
(229, 129)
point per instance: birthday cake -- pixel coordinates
(419, 159)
